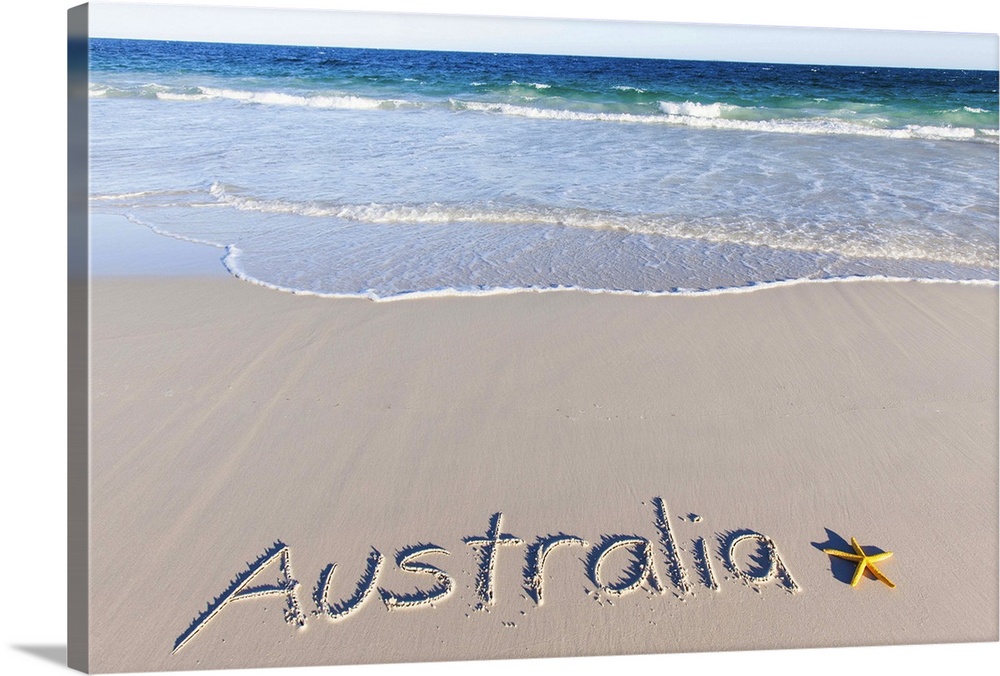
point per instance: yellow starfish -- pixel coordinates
(864, 561)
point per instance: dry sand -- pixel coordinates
(227, 417)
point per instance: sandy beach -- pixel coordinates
(631, 439)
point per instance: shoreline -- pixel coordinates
(193, 260)
(682, 293)
(809, 415)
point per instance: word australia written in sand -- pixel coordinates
(614, 564)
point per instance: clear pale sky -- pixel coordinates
(538, 35)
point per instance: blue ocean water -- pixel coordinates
(387, 173)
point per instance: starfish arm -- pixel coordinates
(843, 555)
(879, 557)
(858, 573)
(878, 573)
(857, 547)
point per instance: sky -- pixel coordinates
(772, 44)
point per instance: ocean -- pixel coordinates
(395, 174)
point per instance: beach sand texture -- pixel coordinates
(228, 417)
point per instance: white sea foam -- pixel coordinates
(126, 195)
(710, 116)
(946, 133)
(284, 99)
(233, 256)
(186, 197)
(176, 96)
(823, 126)
(691, 109)
(897, 246)
(173, 235)
(715, 115)
(148, 90)
(550, 113)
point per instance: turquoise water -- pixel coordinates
(391, 173)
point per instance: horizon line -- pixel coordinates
(876, 48)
